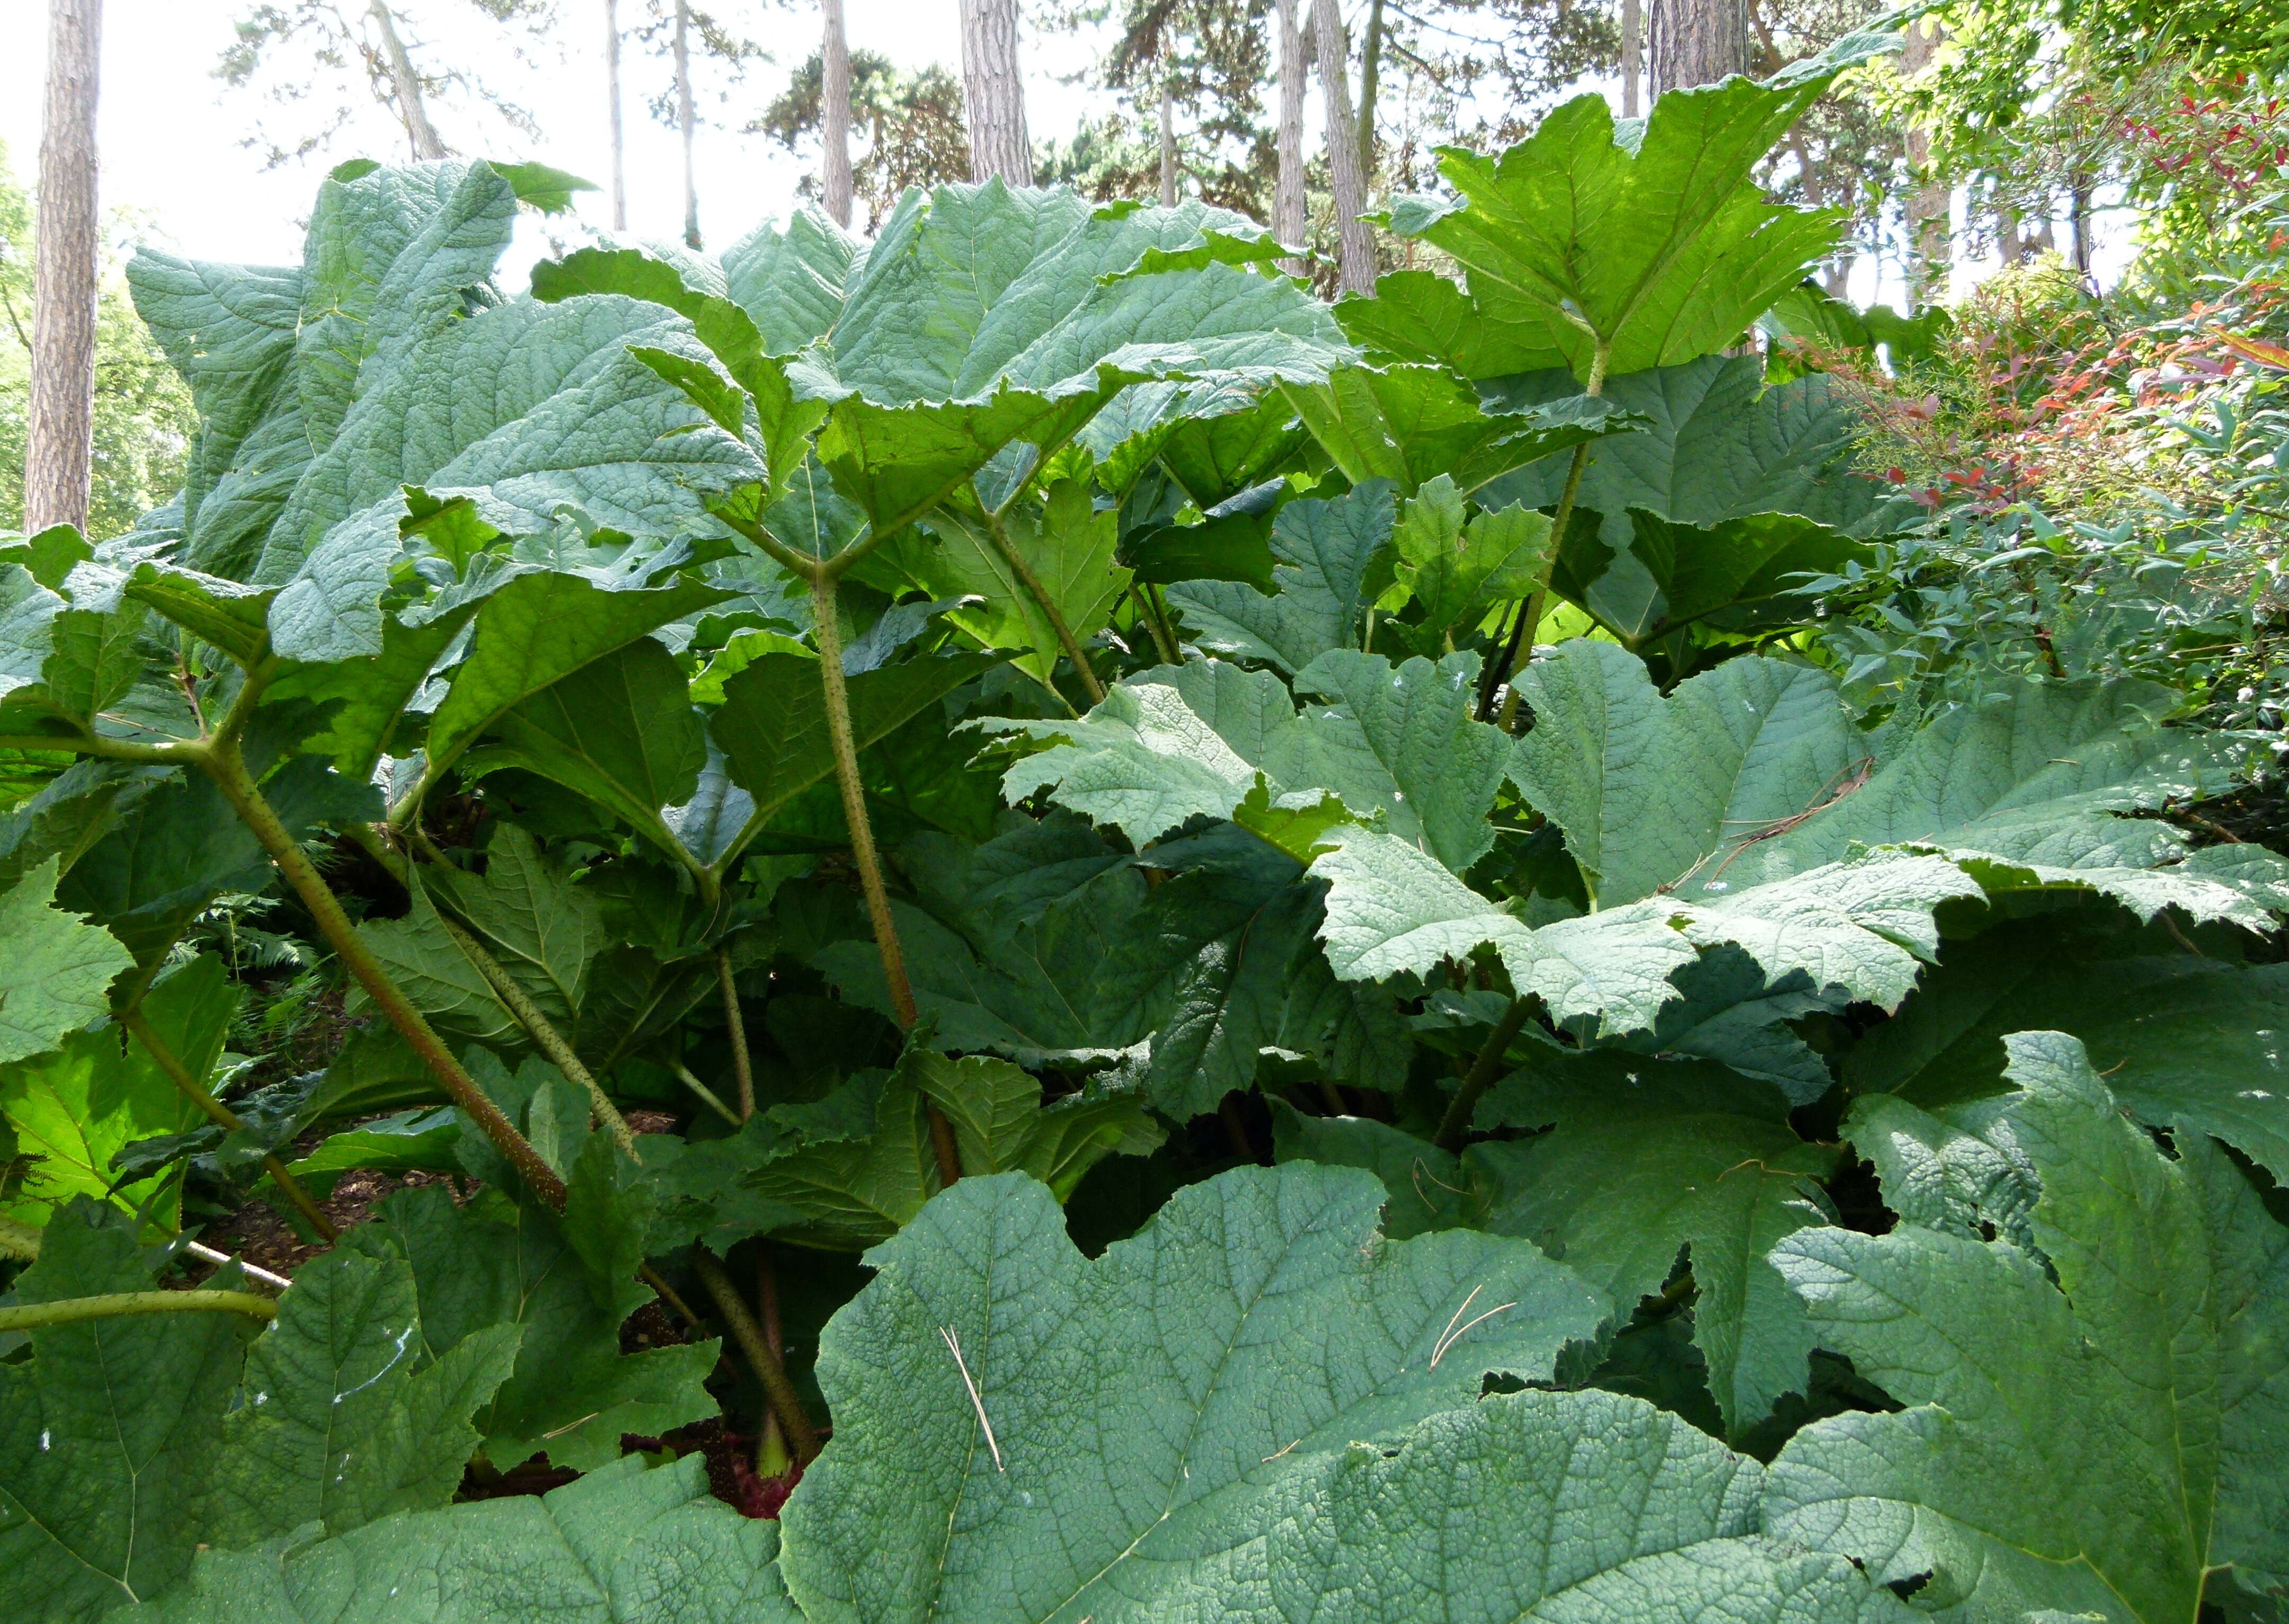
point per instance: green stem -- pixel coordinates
(223, 764)
(1016, 560)
(226, 1118)
(109, 749)
(543, 1034)
(1156, 622)
(1521, 644)
(683, 1075)
(67, 1311)
(742, 1070)
(785, 1402)
(829, 634)
(1454, 1126)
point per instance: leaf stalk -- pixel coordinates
(224, 1118)
(785, 1404)
(228, 768)
(69, 1310)
(1454, 1126)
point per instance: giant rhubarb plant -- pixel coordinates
(1289, 880)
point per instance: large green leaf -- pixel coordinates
(621, 732)
(494, 1262)
(1149, 1412)
(341, 1417)
(1651, 239)
(771, 726)
(1400, 747)
(1006, 942)
(1757, 766)
(1411, 424)
(622, 1545)
(76, 1107)
(1458, 571)
(2184, 1042)
(1646, 786)
(2093, 1437)
(1646, 1159)
(537, 631)
(1065, 542)
(1322, 551)
(1860, 928)
(984, 318)
(1671, 575)
(57, 969)
(1046, 943)
(107, 1435)
(1556, 1506)
(1715, 444)
(2039, 777)
(275, 356)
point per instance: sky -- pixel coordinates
(171, 134)
(176, 163)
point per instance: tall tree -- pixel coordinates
(1697, 42)
(144, 420)
(1633, 54)
(59, 440)
(405, 84)
(685, 34)
(619, 130)
(994, 96)
(1288, 206)
(1370, 81)
(312, 56)
(1927, 206)
(911, 122)
(1192, 72)
(1355, 256)
(834, 113)
(689, 122)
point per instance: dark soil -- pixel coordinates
(2258, 812)
(257, 1234)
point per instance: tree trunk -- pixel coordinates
(1168, 144)
(56, 458)
(2079, 217)
(834, 114)
(1355, 261)
(612, 95)
(1288, 214)
(406, 87)
(690, 122)
(993, 96)
(1633, 54)
(1928, 203)
(1370, 76)
(1697, 42)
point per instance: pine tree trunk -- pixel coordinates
(1287, 212)
(1168, 146)
(834, 114)
(612, 96)
(1370, 76)
(406, 87)
(1697, 42)
(1633, 55)
(690, 121)
(1355, 260)
(56, 458)
(993, 96)
(1927, 200)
